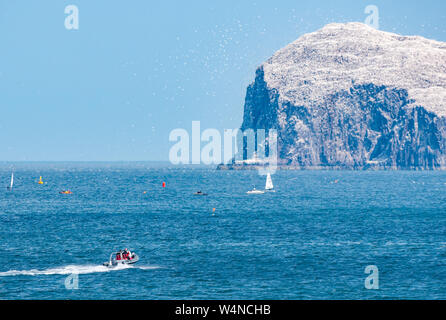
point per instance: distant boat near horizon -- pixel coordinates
(269, 183)
(255, 191)
(268, 186)
(12, 182)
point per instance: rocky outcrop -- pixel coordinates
(349, 96)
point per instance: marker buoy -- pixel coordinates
(164, 184)
(213, 210)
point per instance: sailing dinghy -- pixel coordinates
(12, 182)
(269, 183)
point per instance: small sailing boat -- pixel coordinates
(12, 182)
(269, 183)
(268, 186)
(40, 180)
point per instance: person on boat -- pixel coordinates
(126, 254)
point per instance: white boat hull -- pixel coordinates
(114, 263)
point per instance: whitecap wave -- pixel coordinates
(70, 269)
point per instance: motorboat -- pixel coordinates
(200, 193)
(121, 258)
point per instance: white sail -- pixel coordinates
(269, 183)
(12, 180)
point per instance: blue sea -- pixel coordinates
(310, 239)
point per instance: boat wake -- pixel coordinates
(70, 269)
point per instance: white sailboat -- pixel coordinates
(12, 181)
(268, 186)
(255, 191)
(269, 183)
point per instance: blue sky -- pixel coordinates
(115, 88)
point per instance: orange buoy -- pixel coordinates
(213, 209)
(164, 184)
